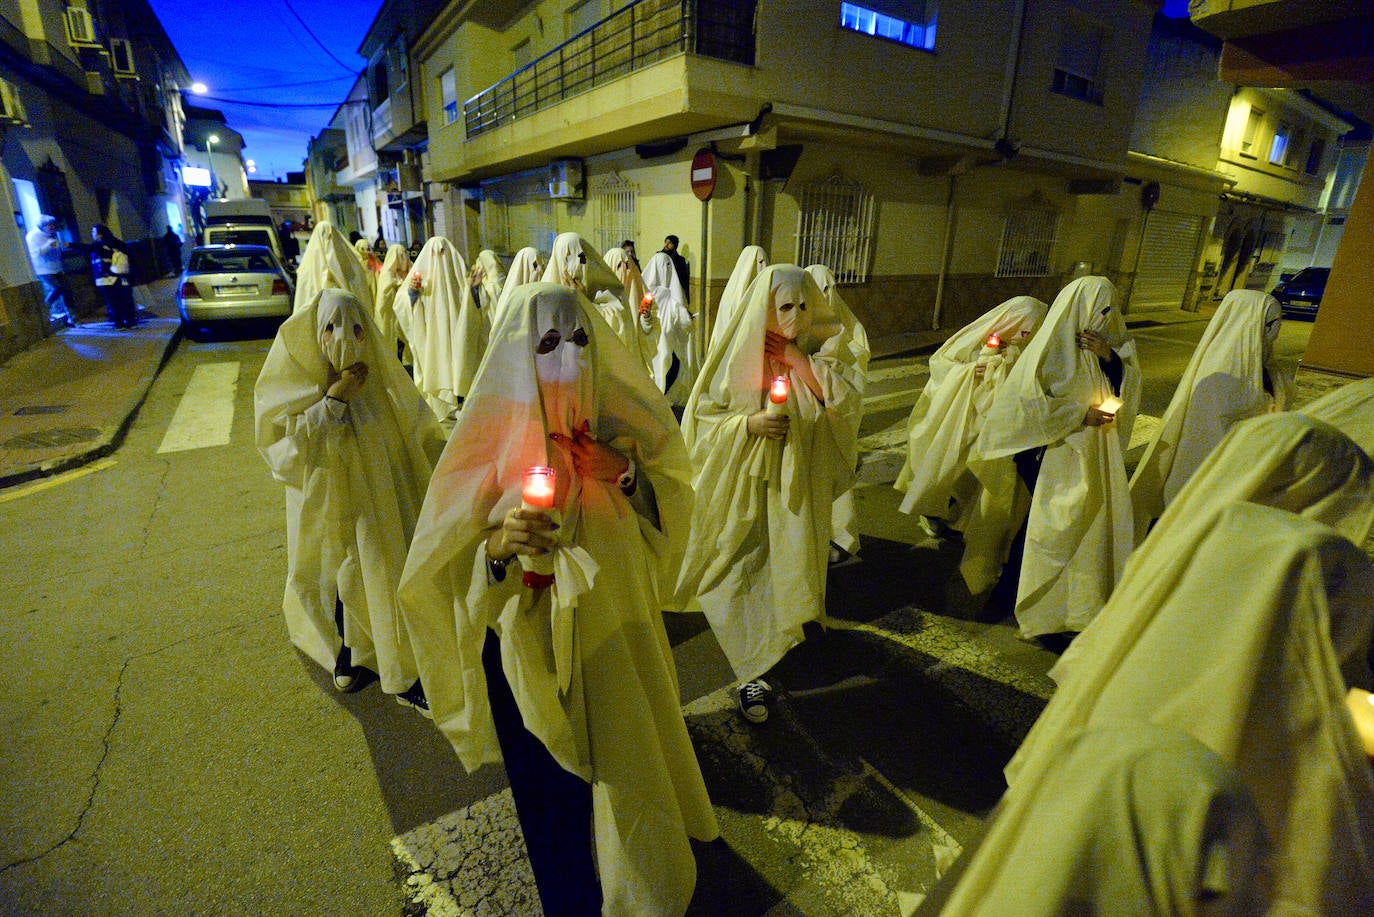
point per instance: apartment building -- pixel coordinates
(331, 200)
(357, 167)
(91, 125)
(938, 163)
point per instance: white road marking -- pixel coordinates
(14, 493)
(205, 415)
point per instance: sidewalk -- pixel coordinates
(68, 399)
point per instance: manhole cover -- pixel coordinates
(42, 409)
(47, 439)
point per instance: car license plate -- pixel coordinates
(235, 289)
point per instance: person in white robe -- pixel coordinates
(751, 260)
(447, 336)
(1048, 415)
(844, 513)
(591, 678)
(1350, 409)
(395, 269)
(329, 261)
(372, 265)
(1132, 819)
(936, 480)
(765, 481)
(487, 278)
(342, 426)
(525, 268)
(676, 360)
(1243, 626)
(1232, 375)
(627, 314)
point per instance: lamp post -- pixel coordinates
(210, 142)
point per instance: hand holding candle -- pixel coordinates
(1110, 405)
(777, 395)
(537, 493)
(646, 304)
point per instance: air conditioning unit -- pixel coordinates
(11, 106)
(80, 27)
(567, 180)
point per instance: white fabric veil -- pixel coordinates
(1349, 409)
(524, 268)
(395, 268)
(445, 330)
(747, 266)
(353, 486)
(622, 313)
(675, 329)
(1223, 384)
(616, 721)
(329, 261)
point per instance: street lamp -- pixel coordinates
(199, 88)
(210, 142)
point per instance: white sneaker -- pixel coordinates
(753, 699)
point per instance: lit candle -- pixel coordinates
(1110, 405)
(537, 491)
(777, 395)
(993, 342)
(646, 304)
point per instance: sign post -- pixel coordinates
(703, 185)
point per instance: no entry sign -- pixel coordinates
(703, 174)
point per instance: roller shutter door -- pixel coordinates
(1167, 257)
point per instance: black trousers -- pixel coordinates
(554, 806)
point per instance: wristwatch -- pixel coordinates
(626, 481)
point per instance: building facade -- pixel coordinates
(91, 126)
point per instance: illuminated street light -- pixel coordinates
(199, 88)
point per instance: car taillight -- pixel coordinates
(189, 291)
(279, 287)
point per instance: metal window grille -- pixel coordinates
(1028, 243)
(835, 223)
(614, 209)
(634, 37)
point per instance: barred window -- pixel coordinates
(614, 209)
(835, 222)
(1028, 242)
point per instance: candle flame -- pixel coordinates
(538, 487)
(1110, 405)
(994, 341)
(777, 392)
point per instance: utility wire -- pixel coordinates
(317, 39)
(332, 79)
(272, 104)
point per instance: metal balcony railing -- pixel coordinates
(631, 39)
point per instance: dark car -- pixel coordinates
(1301, 294)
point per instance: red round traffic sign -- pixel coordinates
(703, 174)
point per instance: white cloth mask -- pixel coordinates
(561, 366)
(788, 315)
(340, 321)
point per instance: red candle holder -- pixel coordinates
(993, 342)
(537, 493)
(646, 304)
(777, 395)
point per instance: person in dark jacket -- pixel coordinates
(110, 268)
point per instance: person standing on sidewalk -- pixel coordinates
(342, 426)
(110, 269)
(45, 251)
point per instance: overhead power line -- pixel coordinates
(334, 104)
(317, 39)
(331, 79)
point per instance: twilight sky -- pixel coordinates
(250, 50)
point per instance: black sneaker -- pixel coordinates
(414, 696)
(753, 699)
(346, 673)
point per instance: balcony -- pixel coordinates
(632, 39)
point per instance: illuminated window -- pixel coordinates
(1080, 58)
(1278, 147)
(448, 91)
(906, 22)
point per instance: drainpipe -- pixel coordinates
(946, 253)
(1009, 72)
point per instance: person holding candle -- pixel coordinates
(844, 514)
(1047, 416)
(936, 481)
(628, 315)
(765, 482)
(344, 429)
(1231, 376)
(395, 269)
(675, 361)
(445, 330)
(570, 682)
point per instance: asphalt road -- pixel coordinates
(168, 752)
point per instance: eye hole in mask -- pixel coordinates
(579, 337)
(549, 341)
(358, 331)
(1105, 311)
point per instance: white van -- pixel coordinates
(242, 222)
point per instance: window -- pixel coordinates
(1278, 147)
(906, 22)
(1080, 57)
(614, 201)
(835, 221)
(80, 26)
(1314, 156)
(448, 92)
(521, 54)
(1028, 241)
(381, 82)
(121, 57)
(582, 16)
(1253, 122)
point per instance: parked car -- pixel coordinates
(1301, 294)
(223, 282)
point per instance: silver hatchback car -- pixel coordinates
(223, 282)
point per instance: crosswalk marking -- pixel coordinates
(205, 415)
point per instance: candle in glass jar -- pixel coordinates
(537, 491)
(646, 304)
(777, 395)
(993, 342)
(1110, 405)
